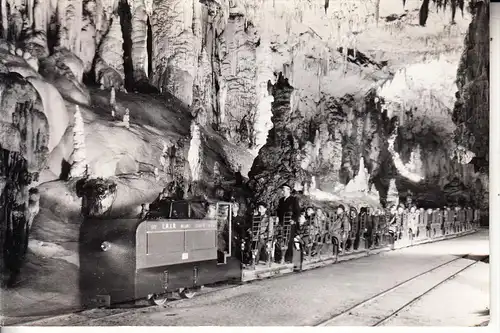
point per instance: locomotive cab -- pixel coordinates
(178, 246)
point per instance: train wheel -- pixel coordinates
(159, 300)
(187, 293)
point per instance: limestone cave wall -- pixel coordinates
(221, 58)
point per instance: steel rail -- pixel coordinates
(325, 322)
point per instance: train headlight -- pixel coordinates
(105, 246)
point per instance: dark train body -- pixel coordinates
(182, 245)
(123, 260)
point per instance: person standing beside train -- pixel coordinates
(288, 204)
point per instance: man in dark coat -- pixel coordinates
(289, 204)
(239, 231)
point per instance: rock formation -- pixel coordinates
(109, 70)
(140, 11)
(24, 137)
(126, 119)
(78, 157)
(279, 159)
(392, 194)
(98, 196)
(471, 111)
(194, 153)
(360, 182)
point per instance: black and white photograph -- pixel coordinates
(310, 163)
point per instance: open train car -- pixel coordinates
(177, 247)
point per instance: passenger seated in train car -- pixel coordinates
(452, 217)
(353, 238)
(365, 226)
(400, 220)
(306, 230)
(377, 228)
(301, 232)
(222, 217)
(320, 220)
(412, 222)
(263, 232)
(446, 219)
(240, 240)
(342, 224)
(428, 212)
(393, 225)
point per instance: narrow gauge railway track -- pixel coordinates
(92, 315)
(346, 317)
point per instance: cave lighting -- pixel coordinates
(400, 166)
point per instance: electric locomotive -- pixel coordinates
(178, 246)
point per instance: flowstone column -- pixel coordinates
(175, 46)
(279, 159)
(24, 137)
(139, 39)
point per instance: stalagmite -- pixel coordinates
(164, 157)
(217, 175)
(79, 164)
(33, 205)
(194, 152)
(392, 194)
(360, 182)
(126, 119)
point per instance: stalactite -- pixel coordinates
(453, 10)
(424, 13)
(461, 6)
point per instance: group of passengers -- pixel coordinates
(309, 231)
(312, 229)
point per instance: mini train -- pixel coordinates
(181, 245)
